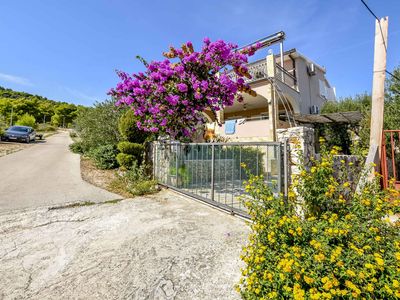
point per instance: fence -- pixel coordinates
(390, 158)
(212, 172)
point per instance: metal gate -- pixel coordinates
(390, 158)
(213, 172)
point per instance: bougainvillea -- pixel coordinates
(170, 97)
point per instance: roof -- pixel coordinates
(348, 117)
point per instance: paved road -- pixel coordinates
(45, 174)
(159, 247)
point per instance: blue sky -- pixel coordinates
(68, 49)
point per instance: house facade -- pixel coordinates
(297, 87)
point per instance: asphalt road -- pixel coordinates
(45, 174)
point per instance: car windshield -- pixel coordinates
(18, 128)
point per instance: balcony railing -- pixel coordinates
(285, 76)
(258, 71)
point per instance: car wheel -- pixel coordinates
(28, 140)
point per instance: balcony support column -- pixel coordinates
(282, 60)
(272, 104)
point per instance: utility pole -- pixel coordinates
(378, 84)
(11, 119)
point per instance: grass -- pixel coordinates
(72, 205)
(85, 203)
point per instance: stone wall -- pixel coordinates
(301, 146)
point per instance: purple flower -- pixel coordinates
(198, 96)
(182, 87)
(163, 122)
(149, 93)
(172, 99)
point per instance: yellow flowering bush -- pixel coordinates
(324, 241)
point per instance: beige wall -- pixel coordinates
(248, 131)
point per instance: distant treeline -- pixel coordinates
(13, 105)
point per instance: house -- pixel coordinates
(299, 87)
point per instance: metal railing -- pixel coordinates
(258, 71)
(390, 158)
(213, 172)
(285, 76)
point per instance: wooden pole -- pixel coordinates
(378, 84)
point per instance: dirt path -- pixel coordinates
(159, 247)
(46, 173)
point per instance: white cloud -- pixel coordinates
(15, 79)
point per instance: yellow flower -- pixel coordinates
(370, 287)
(395, 283)
(308, 280)
(298, 292)
(319, 257)
(369, 266)
(272, 295)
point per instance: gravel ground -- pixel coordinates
(11, 147)
(163, 246)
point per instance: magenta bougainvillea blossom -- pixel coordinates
(171, 95)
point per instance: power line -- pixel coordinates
(380, 29)
(391, 74)
(370, 10)
(379, 22)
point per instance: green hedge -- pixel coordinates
(125, 160)
(131, 148)
(104, 156)
(128, 129)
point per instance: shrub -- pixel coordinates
(46, 128)
(135, 181)
(125, 160)
(76, 147)
(98, 125)
(130, 152)
(324, 241)
(128, 129)
(73, 134)
(26, 120)
(104, 156)
(131, 148)
(143, 187)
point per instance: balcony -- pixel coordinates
(254, 128)
(258, 71)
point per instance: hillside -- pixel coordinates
(14, 104)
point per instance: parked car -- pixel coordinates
(20, 133)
